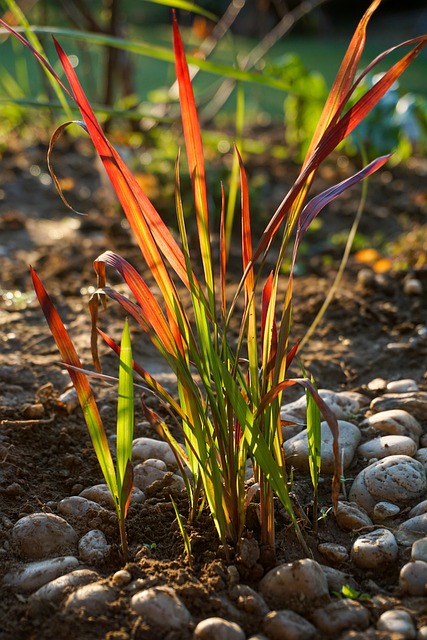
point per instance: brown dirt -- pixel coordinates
(47, 456)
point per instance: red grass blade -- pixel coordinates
(80, 382)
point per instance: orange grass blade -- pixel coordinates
(80, 382)
(196, 165)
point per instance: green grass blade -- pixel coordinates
(125, 408)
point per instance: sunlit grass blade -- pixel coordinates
(125, 410)
(80, 382)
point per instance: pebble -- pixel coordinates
(413, 578)
(377, 384)
(100, 493)
(421, 456)
(418, 510)
(93, 598)
(34, 575)
(41, 535)
(411, 530)
(374, 549)
(344, 405)
(397, 479)
(146, 448)
(397, 621)
(218, 629)
(287, 625)
(415, 402)
(339, 615)
(351, 517)
(395, 422)
(412, 287)
(121, 578)
(385, 510)
(248, 600)
(334, 553)
(296, 448)
(295, 585)
(161, 607)
(55, 591)
(387, 446)
(93, 547)
(422, 633)
(146, 473)
(402, 386)
(77, 507)
(419, 550)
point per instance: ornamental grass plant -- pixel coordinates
(229, 390)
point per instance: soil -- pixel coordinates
(373, 328)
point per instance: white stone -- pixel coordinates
(77, 507)
(92, 598)
(422, 633)
(397, 621)
(146, 448)
(93, 547)
(101, 494)
(55, 591)
(385, 510)
(377, 384)
(419, 550)
(34, 575)
(339, 615)
(398, 479)
(402, 386)
(41, 535)
(395, 422)
(287, 625)
(161, 607)
(344, 405)
(351, 517)
(296, 448)
(413, 578)
(387, 446)
(415, 402)
(374, 549)
(218, 629)
(295, 585)
(121, 578)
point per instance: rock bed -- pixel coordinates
(60, 556)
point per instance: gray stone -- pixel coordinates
(421, 456)
(218, 629)
(384, 511)
(34, 575)
(397, 621)
(121, 578)
(248, 600)
(160, 607)
(92, 598)
(340, 615)
(296, 448)
(344, 405)
(413, 578)
(395, 422)
(336, 579)
(415, 402)
(295, 586)
(387, 446)
(145, 448)
(374, 549)
(334, 553)
(41, 535)
(399, 479)
(418, 510)
(351, 517)
(419, 550)
(93, 547)
(100, 493)
(55, 591)
(77, 507)
(287, 625)
(411, 530)
(146, 473)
